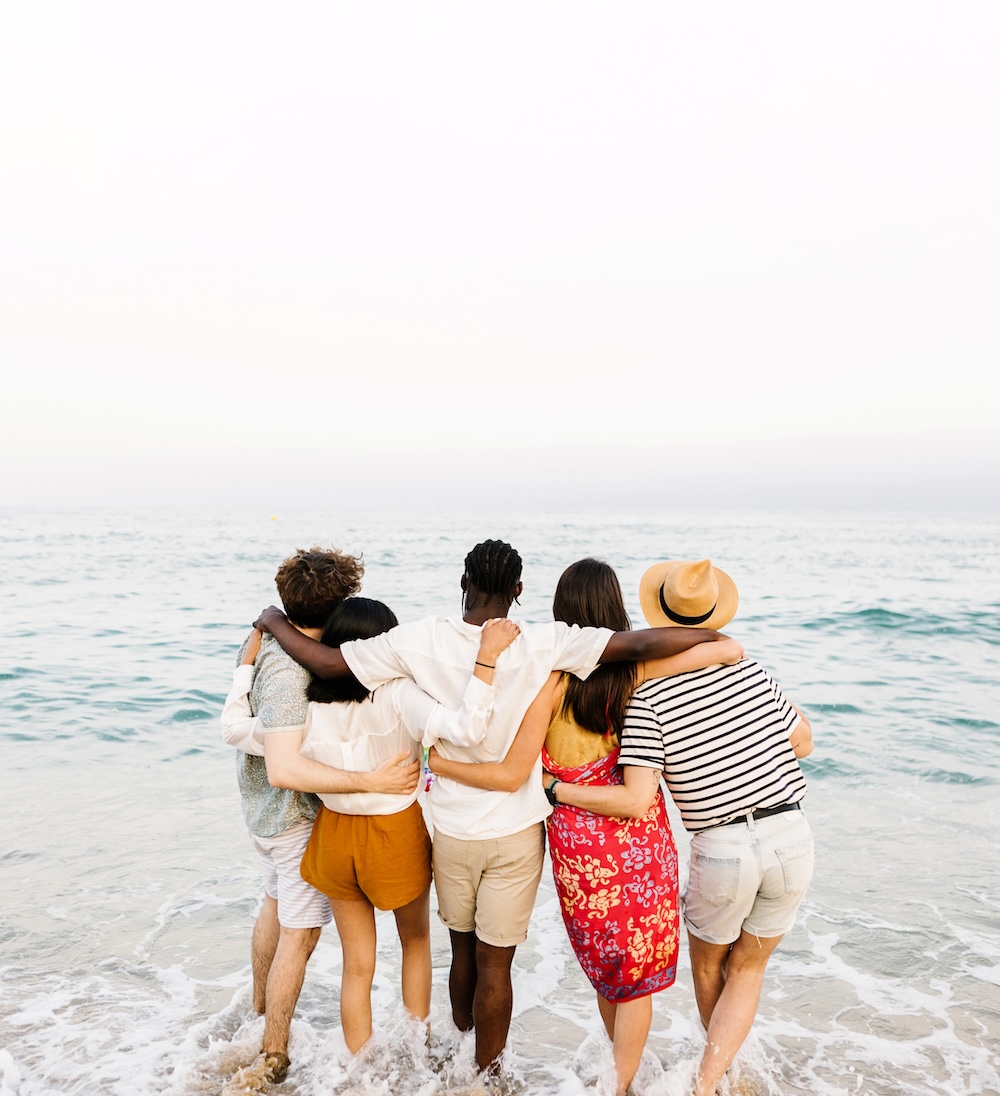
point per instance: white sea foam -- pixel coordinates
(130, 889)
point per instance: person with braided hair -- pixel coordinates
(488, 844)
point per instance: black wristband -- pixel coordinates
(550, 792)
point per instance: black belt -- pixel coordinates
(763, 812)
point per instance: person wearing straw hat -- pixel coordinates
(728, 742)
(488, 845)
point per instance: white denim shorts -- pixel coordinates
(300, 906)
(748, 877)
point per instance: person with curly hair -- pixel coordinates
(488, 845)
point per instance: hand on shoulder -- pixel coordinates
(497, 635)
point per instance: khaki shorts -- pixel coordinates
(489, 886)
(385, 858)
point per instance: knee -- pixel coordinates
(359, 964)
(748, 960)
(300, 941)
(415, 937)
(493, 962)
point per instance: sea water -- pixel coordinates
(129, 888)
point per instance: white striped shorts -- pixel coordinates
(300, 906)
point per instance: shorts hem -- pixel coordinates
(770, 935)
(453, 928)
(707, 938)
(326, 920)
(502, 943)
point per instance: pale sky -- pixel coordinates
(523, 254)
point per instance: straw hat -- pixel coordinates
(693, 595)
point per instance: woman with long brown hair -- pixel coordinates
(616, 875)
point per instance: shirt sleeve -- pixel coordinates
(239, 727)
(642, 739)
(427, 720)
(578, 650)
(374, 661)
(281, 695)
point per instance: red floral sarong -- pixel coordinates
(617, 884)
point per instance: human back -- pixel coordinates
(722, 737)
(438, 653)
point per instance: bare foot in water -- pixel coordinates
(265, 1070)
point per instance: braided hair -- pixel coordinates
(494, 568)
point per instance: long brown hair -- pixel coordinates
(588, 593)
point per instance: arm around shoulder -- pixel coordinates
(649, 643)
(629, 800)
(325, 662)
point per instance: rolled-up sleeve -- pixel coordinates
(239, 727)
(642, 739)
(428, 721)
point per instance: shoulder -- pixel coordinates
(273, 660)
(403, 636)
(559, 634)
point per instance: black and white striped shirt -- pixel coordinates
(721, 737)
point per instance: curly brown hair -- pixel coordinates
(313, 582)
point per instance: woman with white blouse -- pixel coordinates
(370, 849)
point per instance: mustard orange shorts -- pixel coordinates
(385, 858)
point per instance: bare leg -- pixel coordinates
(284, 983)
(356, 928)
(708, 972)
(632, 1020)
(262, 948)
(414, 928)
(607, 1010)
(493, 1003)
(734, 1011)
(462, 978)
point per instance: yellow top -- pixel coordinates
(571, 745)
(568, 743)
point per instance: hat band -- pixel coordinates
(678, 619)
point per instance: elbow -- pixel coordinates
(634, 807)
(279, 777)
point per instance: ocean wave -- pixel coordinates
(190, 715)
(951, 776)
(976, 624)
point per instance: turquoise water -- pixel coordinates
(129, 888)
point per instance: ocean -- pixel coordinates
(130, 889)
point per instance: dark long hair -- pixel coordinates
(353, 618)
(588, 593)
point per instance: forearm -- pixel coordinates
(302, 774)
(325, 662)
(629, 800)
(651, 643)
(727, 652)
(491, 776)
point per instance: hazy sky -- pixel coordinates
(515, 254)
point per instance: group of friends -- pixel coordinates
(572, 730)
